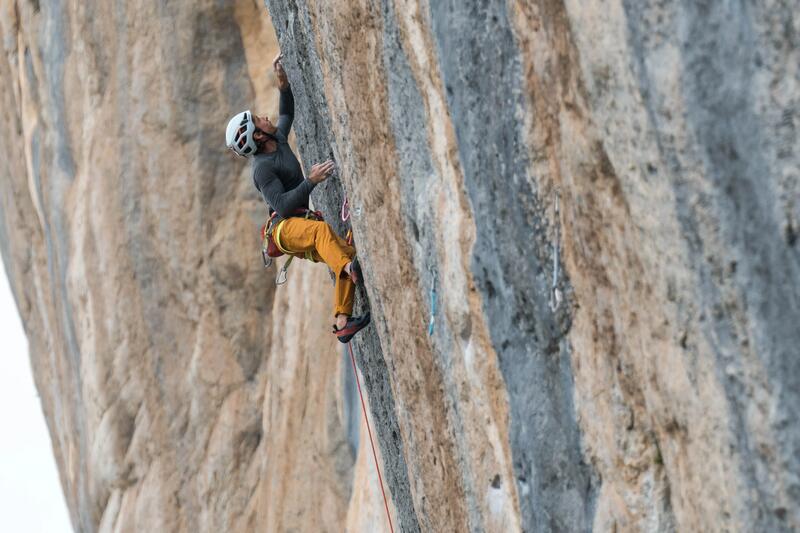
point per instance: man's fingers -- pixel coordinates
(325, 166)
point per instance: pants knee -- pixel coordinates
(323, 230)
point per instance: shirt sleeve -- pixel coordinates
(282, 201)
(286, 111)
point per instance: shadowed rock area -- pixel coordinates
(604, 195)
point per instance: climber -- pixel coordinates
(278, 177)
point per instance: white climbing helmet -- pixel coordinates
(239, 134)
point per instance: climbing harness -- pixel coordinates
(433, 301)
(271, 241)
(555, 292)
(371, 442)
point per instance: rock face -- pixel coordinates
(662, 392)
(183, 392)
(600, 201)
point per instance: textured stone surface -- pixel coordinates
(661, 394)
(184, 392)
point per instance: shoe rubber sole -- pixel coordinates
(353, 326)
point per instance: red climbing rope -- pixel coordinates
(374, 455)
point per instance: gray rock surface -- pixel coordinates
(667, 131)
(626, 362)
(179, 385)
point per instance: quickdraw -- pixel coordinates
(555, 292)
(432, 320)
(345, 215)
(282, 274)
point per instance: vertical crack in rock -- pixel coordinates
(59, 170)
(418, 188)
(481, 70)
(315, 142)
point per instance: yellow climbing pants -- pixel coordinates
(298, 236)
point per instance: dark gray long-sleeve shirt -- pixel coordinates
(278, 175)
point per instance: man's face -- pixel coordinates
(264, 124)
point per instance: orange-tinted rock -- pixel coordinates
(626, 362)
(183, 391)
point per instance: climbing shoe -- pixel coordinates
(354, 325)
(355, 272)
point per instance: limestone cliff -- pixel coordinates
(605, 196)
(183, 392)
